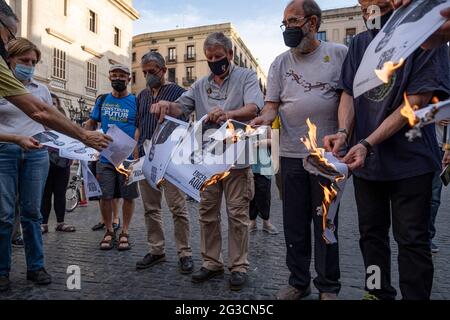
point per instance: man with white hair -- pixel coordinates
(229, 92)
(154, 69)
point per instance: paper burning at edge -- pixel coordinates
(385, 74)
(321, 163)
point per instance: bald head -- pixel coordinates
(306, 8)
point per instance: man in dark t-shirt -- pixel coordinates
(392, 174)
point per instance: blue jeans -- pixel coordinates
(22, 173)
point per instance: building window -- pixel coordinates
(92, 21)
(241, 61)
(349, 35)
(190, 38)
(133, 57)
(245, 63)
(153, 50)
(322, 36)
(91, 75)
(190, 73)
(171, 76)
(133, 77)
(172, 40)
(59, 64)
(154, 42)
(190, 53)
(66, 8)
(172, 55)
(117, 36)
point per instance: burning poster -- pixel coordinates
(395, 42)
(68, 148)
(136, 172)
(91, 184)
(121, 147)
(321, 163)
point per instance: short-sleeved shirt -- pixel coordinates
(146, 122)
(306, 87)
(9, 85)
(396, 158)
(15, 121)
(240, 87)
(116, 111)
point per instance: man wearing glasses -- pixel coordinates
(154, 69)
(302, 84)
(229, 92)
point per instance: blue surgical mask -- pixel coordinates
(24, 73)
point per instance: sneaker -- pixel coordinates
(270, 228)
(82, 204)
(18, 242)
(252, 227)
(4, 283)
(291, 293)
(40, 277)
(368, 297)
(328, 296)
(238, 280)
(434, 248)
(149, 261)
(204, 274)
(186, 265)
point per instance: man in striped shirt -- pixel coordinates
(154, 69)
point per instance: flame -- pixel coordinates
(231, 131)
(330, 194)
(121, 169)
(435, 100)
(160, 183)
(311, 143)
(214, 179)
(388, 70)
(408, 112)
(249, 129)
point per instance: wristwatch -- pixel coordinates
(344, 131)
(367, 145)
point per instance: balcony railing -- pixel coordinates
(187, 81)
(190, 57)
(174, 80)
(171, 60)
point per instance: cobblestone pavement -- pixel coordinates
(112, 275)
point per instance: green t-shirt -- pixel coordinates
(9, 85)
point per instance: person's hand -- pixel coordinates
(28, 143)
(335, 143)
(160, 109)
(261, 121)
(446, 159)
(356, 157)
(96, 140)
(218, 116)
(444, 123)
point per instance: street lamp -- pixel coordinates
(80, 114)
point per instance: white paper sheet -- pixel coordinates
(121, 147)
(91, 185)
(406, 30)
(137, 172)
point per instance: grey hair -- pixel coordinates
(218, 39)
(310, 8)
(155, 57)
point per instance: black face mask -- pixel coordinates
(219, 67)
(293, 36)
(383, 20)
(119, 85)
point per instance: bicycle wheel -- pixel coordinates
(72, 199)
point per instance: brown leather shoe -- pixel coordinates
(291, 293)
(328, 296)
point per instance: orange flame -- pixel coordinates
(160, 183)
(121, 169)
(388, 70)
(214, 179)
(249, 129)
(330, 194)
(408, 112)
(311, 143)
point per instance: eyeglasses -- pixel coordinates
(294, 21)
(151, 72)
(11, 35)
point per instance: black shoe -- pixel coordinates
(40, 277)
(434, 248)
(98, 226)
(204, 274)
(186, 265)
(4, 283)
(18, 242)
(149, 261)
(238, 280)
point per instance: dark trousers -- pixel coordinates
(57, 181)
(260, 205)
(302, 195)
(409, 201)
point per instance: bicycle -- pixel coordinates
(73, 191)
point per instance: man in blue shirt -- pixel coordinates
(392, 177)
(116, 108)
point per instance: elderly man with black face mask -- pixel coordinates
(154, 69)
(392, 176)
(229, 92)
(303, 84)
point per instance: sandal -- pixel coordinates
(62, 227)
(44, 228)
(98, 226)
(108, 244)
(124, 242)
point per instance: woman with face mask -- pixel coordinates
(24, 167)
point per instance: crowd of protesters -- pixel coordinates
(395, 180)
